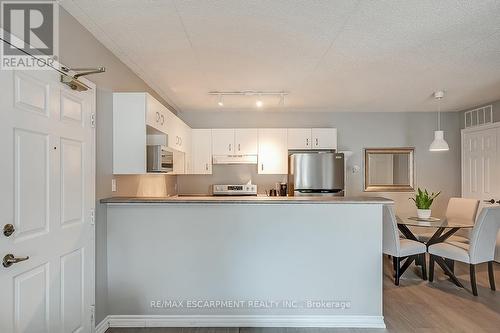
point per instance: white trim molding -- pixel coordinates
(240, 321)
(102, 326)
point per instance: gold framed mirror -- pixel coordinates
(389, 169)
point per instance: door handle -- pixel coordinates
(8, 229)
(9, 259)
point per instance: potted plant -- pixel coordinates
(423, 200)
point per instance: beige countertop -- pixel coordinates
(202, 199)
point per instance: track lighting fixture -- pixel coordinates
(258, 103)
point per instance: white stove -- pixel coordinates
(247, 189)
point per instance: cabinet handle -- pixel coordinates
(262, 166)
(307, 142)
(206, 166)
(157, 116)
(229, 147)
(239, 147)
(317, 142)
(180, 141)
(162, 119)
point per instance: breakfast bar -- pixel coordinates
(245, 261)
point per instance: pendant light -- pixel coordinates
(439, 143)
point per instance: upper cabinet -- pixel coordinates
(246, 141)
(139, 118)
(201, 152)
(312, 138)
(324, 138)
(299, 138)
(240, 141)
(273, 151)
(223, 141)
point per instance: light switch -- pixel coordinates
(113, 185)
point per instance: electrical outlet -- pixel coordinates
(113, 185)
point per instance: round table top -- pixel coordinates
(434, 223)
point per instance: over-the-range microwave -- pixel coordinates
(160, 159)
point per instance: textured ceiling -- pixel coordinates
(337, 55)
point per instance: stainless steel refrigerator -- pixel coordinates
(316, 173)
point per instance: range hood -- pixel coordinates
(234, 159)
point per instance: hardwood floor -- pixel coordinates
(414, 306)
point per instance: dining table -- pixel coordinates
(444, 229)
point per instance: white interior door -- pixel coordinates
(47, 194)
(480, 164)
(481, 167)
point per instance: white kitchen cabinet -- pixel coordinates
(246, 141)
(223, 141)
(273, 151)
(201, 152)
(139, 119)
(312, 138)
(156, 113)
(299, 138)
(324, 138)
(135, 115)
(178, 133)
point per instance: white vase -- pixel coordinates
(423, 213)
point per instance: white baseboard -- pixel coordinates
(102, 326)
(241, 321)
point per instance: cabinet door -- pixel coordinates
(324, 138)
(246, 141)
(202, 151)
(155, 116)
(299, 138)
(223, 141)
(273, 152)
(179, 163)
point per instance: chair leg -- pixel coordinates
(396, 279)
(394, 263)
(424, 269)
(473, 279)
(491, 275)
(431, 268)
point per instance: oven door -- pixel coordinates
(160, 159)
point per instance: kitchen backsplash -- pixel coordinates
(154, 185)
(227, 174)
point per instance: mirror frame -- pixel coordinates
(389, 188)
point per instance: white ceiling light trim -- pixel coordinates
(439, 143)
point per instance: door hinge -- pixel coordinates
(92, 315)
(92, 216)
(92, 120)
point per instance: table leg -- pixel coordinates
(407, 232)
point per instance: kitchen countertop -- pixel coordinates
(260, 199)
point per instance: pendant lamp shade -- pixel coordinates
(439, 143)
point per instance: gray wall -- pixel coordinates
(78, 48)
(435, 171)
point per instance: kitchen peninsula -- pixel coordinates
(245, 261)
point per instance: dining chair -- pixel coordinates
(480, 249)
(401, 249)
(458, 208)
